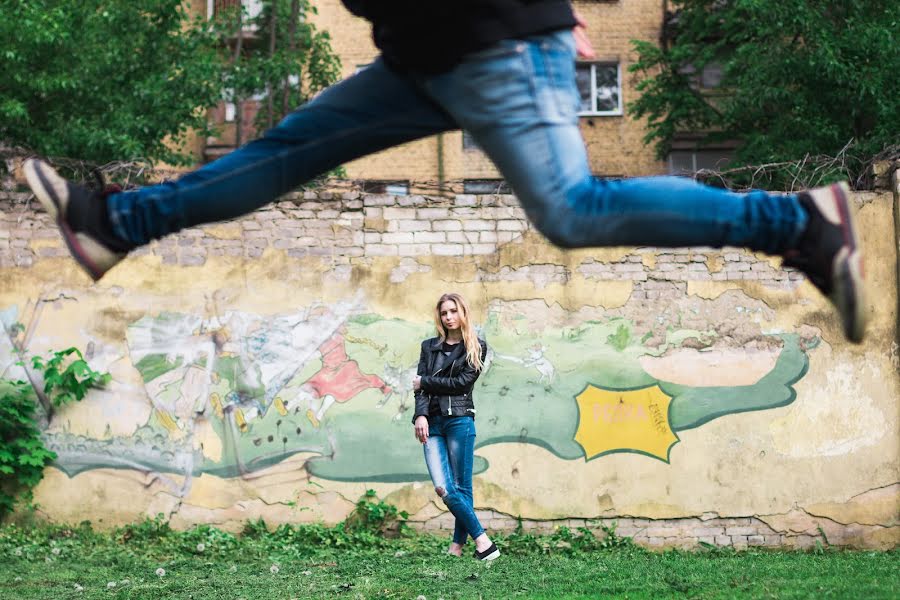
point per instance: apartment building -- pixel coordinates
(452, 161)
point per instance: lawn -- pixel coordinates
(150, 561)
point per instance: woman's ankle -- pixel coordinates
(455, 549)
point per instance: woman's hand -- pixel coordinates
(417, 383)
(421, 428)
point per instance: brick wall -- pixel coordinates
(344, 226)
(488, 242)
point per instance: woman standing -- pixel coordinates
(444, 418)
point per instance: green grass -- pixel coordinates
(318, 562)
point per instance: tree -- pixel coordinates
(290, 62)
(798, 78)
(113, 80)
(103, 80)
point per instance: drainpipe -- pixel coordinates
(440, 163)
(895, 190)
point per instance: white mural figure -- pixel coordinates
(399, 379)
(536, 360)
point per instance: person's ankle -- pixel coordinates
(482, 542)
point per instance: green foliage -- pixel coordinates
(67, 379)
(105, 80)
(101, 81)
(564, 541)
(376, 517)
(799, 78)
(285, 71)
(294, 561)
(22, 454)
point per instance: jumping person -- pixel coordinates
(504, 70)
(444, 418)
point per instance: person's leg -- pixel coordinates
(460, 436)
(438, 462)
(370, 111)
(519, 100)
(373, 110)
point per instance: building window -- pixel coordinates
(686, 162)
(230, 112)
(600, 87)
(708, 78)
(394, 188)
(468, 141)
(485, 186)
(252, 7)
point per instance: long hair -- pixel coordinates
(470, 340)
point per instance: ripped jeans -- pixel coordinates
(449, 453)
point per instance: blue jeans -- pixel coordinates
(519, 100)
(449, 453)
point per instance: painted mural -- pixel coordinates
(234, 393)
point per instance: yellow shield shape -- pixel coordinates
(624, 421)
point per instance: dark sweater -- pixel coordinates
(426, 36)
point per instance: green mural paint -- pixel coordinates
(336, 384)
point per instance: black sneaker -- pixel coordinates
(830, 257)
(489, 554)
(81, 216)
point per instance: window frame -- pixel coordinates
(619, 111)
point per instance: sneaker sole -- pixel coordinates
(493, 555)
(51, 190)
(849, 272)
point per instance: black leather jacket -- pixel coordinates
(431, 36)
(451, 384)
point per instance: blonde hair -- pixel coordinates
(470, 339)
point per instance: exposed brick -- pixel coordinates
(381, 250)
(446, 226)
(414, 225)
(432, 213)
(399, 238)
(413, 249)
(399, 213)
(510, 225)
(478, 225)
(447, 249)
(426, 237)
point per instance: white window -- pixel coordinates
(600, 86)
(684, 162)
(252, 7)
(485, 186)
(394, 188)
(468, 141)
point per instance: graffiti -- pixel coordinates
(624, 420)
(234, 393)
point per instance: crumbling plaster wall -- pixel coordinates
(708, 326)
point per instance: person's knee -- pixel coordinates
(450, 498)
(558, 230)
